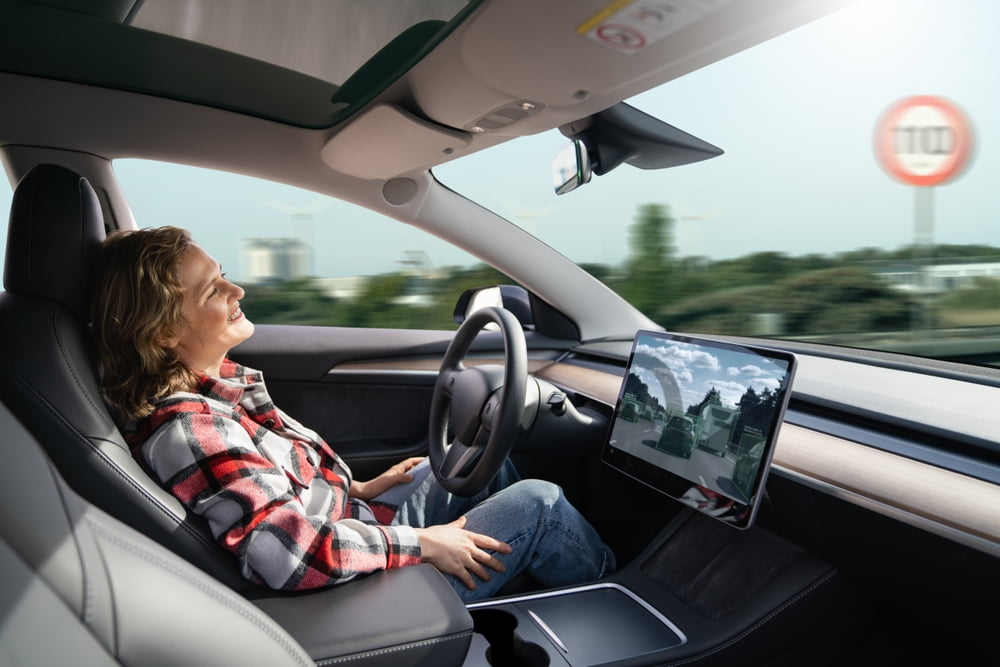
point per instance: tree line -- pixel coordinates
(813, 293)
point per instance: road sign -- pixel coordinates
(923, 140)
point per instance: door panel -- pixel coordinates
(372, 418)
(367, 392)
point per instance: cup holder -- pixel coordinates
(506, 647)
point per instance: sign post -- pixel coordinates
(923, 141)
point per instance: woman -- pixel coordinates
(273, 492)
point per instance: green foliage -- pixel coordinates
(382, 304)
(983, 294)
(809, 294)
(713, 397)
(292, 302)
(650, 267)
(696, 276)
(840, 300)
(391, 300)
(602, 272)
(756, 410)
(460, 279)
(638, 390)
(910, 253)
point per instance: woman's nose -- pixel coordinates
(238, 292)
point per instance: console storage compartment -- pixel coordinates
(592, 624)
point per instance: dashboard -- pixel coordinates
(876, 458)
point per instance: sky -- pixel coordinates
(795, 117)
(698, 370)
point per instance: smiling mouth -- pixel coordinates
(235, 316)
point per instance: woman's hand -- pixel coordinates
(397, 474)
(459, 552)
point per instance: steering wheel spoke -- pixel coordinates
(459, 460)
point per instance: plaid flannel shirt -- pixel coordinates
(273, 492)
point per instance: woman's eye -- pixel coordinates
(216, 290)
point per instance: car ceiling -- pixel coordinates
(443, 84)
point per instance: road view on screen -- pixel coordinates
(698, 419)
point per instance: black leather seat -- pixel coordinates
(48, 368)
(81, 588)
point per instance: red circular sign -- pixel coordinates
(621, 37)
(923, 140)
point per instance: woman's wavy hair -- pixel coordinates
(137, 304)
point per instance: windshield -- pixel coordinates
(805, 228)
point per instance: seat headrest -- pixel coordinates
(56, 228)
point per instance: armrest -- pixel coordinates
(402, 616)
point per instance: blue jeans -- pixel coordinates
(549, 538)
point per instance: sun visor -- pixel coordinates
(385, 141)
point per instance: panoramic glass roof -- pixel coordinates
(326, 39)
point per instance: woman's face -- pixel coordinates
(214, 323)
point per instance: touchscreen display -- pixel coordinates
(698, 420)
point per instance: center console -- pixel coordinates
(701, 594)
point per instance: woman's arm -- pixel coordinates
(396, 474)
(255, 508)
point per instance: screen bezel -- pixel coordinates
(690, 492)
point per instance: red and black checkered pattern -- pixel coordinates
(272, 490)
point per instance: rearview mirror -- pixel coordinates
(621, 134)
(571, 167)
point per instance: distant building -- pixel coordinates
(342, 288)
(275, 260)
(938, 278)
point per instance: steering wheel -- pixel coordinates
(482, 406)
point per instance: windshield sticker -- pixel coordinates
(630, 26)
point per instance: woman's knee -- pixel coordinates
(540, 493)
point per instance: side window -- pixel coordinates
(304, 258)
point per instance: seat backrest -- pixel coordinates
(80, 587)
(48, 369)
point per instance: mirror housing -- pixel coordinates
(534, 314)
(571, 167)
(622, 134)
(510, 297)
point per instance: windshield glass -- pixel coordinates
(806, 228)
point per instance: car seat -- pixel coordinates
(81, 588)
(48, 381)
(48, 366)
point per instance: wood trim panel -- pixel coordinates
(409, 365)
(594, 384)
(924, 492)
